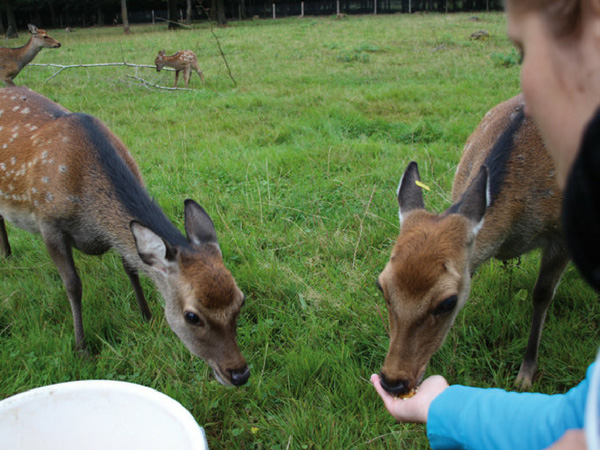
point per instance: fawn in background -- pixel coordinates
(69, 178)
(183, 60)
(12, 60)
(506, 202)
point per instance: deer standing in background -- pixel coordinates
(183, 60)
(12, 60)
(69, 178)
(505, 202)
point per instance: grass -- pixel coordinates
(298, 168)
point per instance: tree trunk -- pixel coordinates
(188, 12)
(10, 21)
(172, 9)
(221, 12)
(2, 29)
(126, 29)
(100, 16)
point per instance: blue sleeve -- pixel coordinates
(473, 418)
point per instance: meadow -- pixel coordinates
(298, 166)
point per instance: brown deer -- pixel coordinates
(183, 60)
(12, 60)
(505, 202)
(69, 178)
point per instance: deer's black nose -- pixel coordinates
(394, 387)
(239, 377)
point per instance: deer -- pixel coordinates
(12, 60)
(185, 60)
(505, 202)
(67, 177)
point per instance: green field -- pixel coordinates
(298, 167)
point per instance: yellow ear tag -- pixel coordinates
(422, 185)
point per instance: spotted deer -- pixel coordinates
(183, 60)
(505, 202)
(68, 177)
(12, 60)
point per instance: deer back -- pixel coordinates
(525, 199)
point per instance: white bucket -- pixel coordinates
(97, 415)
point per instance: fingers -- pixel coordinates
(385, 396)
(413, 409)
(404, 410)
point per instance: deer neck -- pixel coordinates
(29, 51)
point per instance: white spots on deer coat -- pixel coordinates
(1, 112)
(22, 171)
(49, 197)
(45, 180)
(13, 160)
(62, 168)
(65, 139)
(25, 110)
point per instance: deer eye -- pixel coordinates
(446, 306)
(193, 319)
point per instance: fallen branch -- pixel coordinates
(146, 83)
(172, 21)
(73, 66)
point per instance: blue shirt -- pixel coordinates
(473, 418)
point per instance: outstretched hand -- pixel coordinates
(414, 409)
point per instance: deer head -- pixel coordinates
(426, 281)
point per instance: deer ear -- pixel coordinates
(199, 226)
(152, 249)
(410, 196)
(32, 28)
(474, 202)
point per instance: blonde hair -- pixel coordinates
(563, 16)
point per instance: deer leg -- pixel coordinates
(199, 72)
(176, 76)
(62, 254)
(554, 261)
(8, 82)
(138, 291)
(4, 244)
(186, 76)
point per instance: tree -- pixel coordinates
(218, 12)
(172, 10)
(11, 29)
(126, 29)
(188, 12)
(2, 29)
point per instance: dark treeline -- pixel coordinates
(83, 13)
